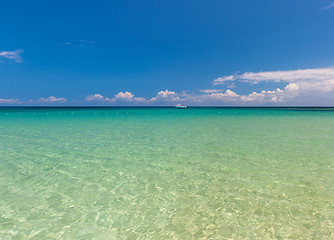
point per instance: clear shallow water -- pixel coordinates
(159, 173)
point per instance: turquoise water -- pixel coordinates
(163, 173)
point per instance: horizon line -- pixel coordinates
(169, 106)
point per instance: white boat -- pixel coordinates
(180, 106)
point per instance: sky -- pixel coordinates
(158, 52)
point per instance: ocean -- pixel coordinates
(166, 173)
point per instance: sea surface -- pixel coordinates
(165, 173)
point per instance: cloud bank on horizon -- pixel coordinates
(51, 99)
(303, 87)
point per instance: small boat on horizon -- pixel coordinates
(180, 106)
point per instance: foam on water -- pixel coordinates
(151, 173)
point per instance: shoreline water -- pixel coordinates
(127, 173)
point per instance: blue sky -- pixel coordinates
(231, 52)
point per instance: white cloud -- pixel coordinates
(97, 98)
(51, 99)
(320, 76)
(211, 90)
(209, 97)
(222, 80)
(213, 98)
(119, 97)
(227, 94)
(276, 96)
(302, 82)
(9, 101)
(140, 99)
(13, 55)
(308, 87)
(126, 96)
(229, 97)
(165, 94)
(330, 5)
(79, 43)
(166, 97)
